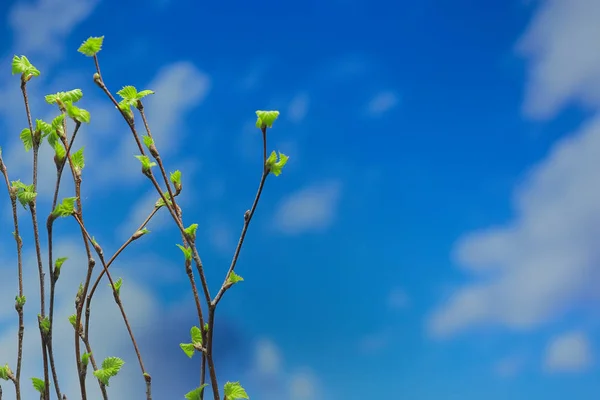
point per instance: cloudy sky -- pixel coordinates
(435, 234)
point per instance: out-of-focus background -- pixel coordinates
(435, 234)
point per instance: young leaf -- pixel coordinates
(110, 368)
(146, 163)
(266, 118)
(234, 391)
(21, 65)
(234, 278)
(45, 324)
(91, 46)
(187, 252)
(5, 372)
(196, 335)
(38, 384)
(85, 358)
(45, 127)
(188, 349)
(65, 208)
(176, 177)
(20, 300)
(118, 284)
(196, 393)
(147, 140)
(27, 139)
(191, 230)
(72, 96)
(76, 113)
(77, 159)
(73, 319)
(274, 165)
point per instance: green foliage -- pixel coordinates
(77, 159)
(66, 208)
(5, 372)
(234, 391)
(85, 358)
(190, 348)
(76, 113)
(190, 231)
(146, 163)
(110, 368)
(73, 319)
(44, 324)
(265, 119)
(196, 393)
(118, 284)
(21, 65)
(91, 46)
(25, 193)
(38, 384)
(20, 300)
(72, 96)
(187, 252)
(234, 278)
(27, 139)
(275, 166)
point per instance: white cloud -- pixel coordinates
(268, 357)
(398, 299)
(42, 26)
(508, 367)
(310, 209)
(570, 352)
(275, 381)
(298, 108)
(221, 236)
(547, 258)
(561, 44)
(382, 103)
(546, 261)
(179, 87)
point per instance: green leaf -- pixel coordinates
(266, 118)
(196, 393)
(205, 327)
(110, 368)
(5, 372)
(60, 261)
(73, 319)
(188, 349)
(118, 284)
(38, 384)
(77, 159)
(196, 335)
(176, 176)
(91, 46)
(128, 93)
(45, 324)
(25, 193)
(27, 139)
(57, 123)
(59, 150)
(65, 208)
(191, 230)
(234, 391)
(85, 358)
(147, 140)
(21, 65)
(72, 96)
(160, 202)
(234, 278)
(76, 113)
(144, 93)
(45, 127)
(187, 252)
(20, 300)
(275, 166)
(146, 163)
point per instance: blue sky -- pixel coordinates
(433, 235)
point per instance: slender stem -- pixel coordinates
(36, 237)
(18, 306)
(117, 298)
